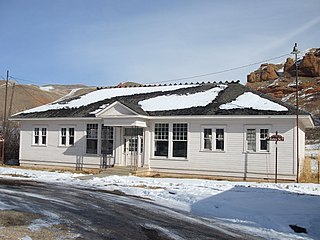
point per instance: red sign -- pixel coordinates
(277, 137)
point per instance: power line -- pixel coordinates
(23, 88)
(222, 71)
(182, 78)
(30, 81)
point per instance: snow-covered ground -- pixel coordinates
(265, 209)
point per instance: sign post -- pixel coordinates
(276, 138)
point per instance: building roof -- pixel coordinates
(229, 98)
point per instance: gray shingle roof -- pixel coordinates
(233, 90)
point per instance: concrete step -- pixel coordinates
(118, 171)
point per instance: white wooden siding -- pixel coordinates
(52, 154)
(234, 161)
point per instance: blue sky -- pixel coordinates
(104, 42)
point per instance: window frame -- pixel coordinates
(179, 136)
(107, 139)
(213, 138)
(95, 138)
(67, 136)
(162, 136)
(170, 141)
(258, 138)
(42, 136)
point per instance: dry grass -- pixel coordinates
(15, 225)
(306, 175)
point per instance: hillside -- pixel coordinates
(278, 80)
(25, 97)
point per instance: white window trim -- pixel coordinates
(154, 140)
(113, 139)
(98, 140)
(170, 142)
(40, 144)
(67, 136)
(214, 128)
(258, 147)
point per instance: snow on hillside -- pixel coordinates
(262, 209)
(102, 94)
(47, 88)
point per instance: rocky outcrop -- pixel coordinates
(288, 66)
(266, 72)
(310, 64)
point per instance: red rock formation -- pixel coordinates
(310, 65)
(266, 72)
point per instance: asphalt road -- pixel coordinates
(95, 214)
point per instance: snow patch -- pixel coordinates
(172, 102)
(51, 219)
(47, 88)
(254, 101)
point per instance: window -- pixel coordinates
(264, 142)
(40, 136)
(107, 140)
(257, 139)
(67, 136)
(63, 136)
(251, 140)
(180, 139)
(161, 139)
(208, 139)
(220, 139)
(92, 139)
(71, 136)
(36, 136)
(213, 138)
(171, 140)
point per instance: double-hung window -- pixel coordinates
(257, 139)
(264, 139)
(161, 139)
(251, 140)
(171, 140)
(67, 136)
(40, 136)
(180, 140)
(213, 138)
(107, 140)
(92, 139)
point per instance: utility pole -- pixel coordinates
(295, 51)
(4, 127)
(11, 99)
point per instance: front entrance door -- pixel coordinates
(133, 147)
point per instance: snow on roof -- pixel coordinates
(172, 102)
(254, 101)
(103, 94)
